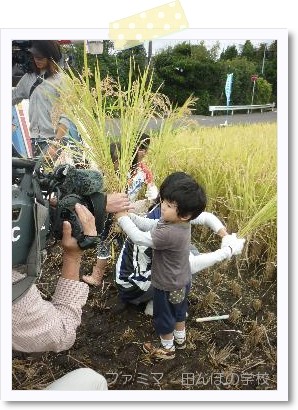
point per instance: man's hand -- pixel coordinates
(71, 251)
(118, 202)
(54, 148)
(119, 214)
(87, 220)
(69, 243)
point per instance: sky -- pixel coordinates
(160, 44)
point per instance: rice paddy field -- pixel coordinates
(237, 166)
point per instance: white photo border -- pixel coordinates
(281, 394)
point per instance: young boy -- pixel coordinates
(171, 276)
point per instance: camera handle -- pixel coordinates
(34, 258)
(87, 241)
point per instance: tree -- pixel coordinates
(263, 92)
(248, 51)
(106, 60)
(202, 53)
(186, 70)
(242, 85)
(270, 68)
(139, 56)
(230, 53)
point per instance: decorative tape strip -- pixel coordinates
(148, 25)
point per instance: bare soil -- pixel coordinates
(238, 353)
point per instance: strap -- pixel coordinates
(87, 241)
(21, 287)
(99, 205)
(34, 257)
(38, 81)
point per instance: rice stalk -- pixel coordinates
(267, 213)
(94, 111)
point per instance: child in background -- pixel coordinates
(139, 176)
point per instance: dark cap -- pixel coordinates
(144, 141)
(46, 49)
(35, 52)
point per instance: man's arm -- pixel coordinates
(55, 146)
(21, 91)
(118, 202)
(39, 325)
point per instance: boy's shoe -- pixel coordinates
(180, 343)
(159, 352)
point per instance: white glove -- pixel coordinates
(152, 192)
(236, 244)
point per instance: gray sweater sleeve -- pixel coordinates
(21, 91)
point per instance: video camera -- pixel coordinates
(54, 194)
(21, 60)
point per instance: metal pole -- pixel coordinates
(263, 64)
(149, 51)
(253, 93)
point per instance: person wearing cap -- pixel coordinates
(46, 56)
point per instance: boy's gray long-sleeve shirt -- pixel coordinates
(139, 229)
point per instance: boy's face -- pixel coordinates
(169, 211)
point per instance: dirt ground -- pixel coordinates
(238, 353)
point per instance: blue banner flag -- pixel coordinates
(228, 87)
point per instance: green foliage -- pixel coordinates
(270, 68)
(242, 84)
(263, 92)
(229, 53)
(203, 102)
(248, 51)
(111, 64)
(182, 50)
(189, 69)
(106, 61)
(123, 58)
(192, 69)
